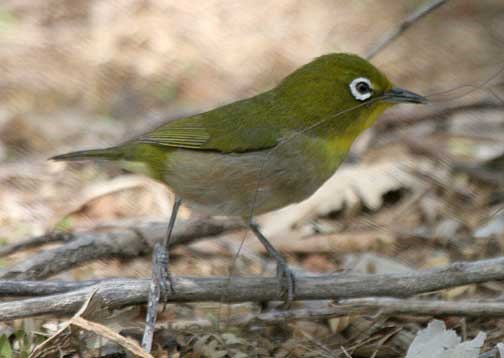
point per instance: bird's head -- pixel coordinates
(343, 83)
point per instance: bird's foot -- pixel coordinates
(287, 280)
(163, 276)
(284, 273)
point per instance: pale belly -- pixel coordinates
(247, 184)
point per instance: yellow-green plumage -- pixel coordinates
(264, 152)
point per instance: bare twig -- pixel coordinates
(35, 242)
(59, 338)
(122, 292)
(395, 306)
(388, 123)
(361, 306)
(159, 257)
(88, 246)
(419, 13)
(129, 345)
(78, 321)
(119, 242)
(22, 288)
(476, 171)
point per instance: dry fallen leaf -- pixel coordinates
(100, 191)
(350, 188)
(354, 241)
(437, 342)
(60, 337)
(375, 264)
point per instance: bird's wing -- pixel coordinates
(182, 133)
(239, 127)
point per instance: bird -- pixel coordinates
(265, 152)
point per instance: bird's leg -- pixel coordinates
(161, 280)
(284, 273)
(163, 253)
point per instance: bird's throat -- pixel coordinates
(342, 134)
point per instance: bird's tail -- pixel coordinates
(112, 153)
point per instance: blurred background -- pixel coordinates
(423, 188)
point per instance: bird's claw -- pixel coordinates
(166, 283)
(287, 281)
(165, 278)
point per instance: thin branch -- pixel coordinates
(159, 259)
(123, 292)
(23, 288)
(394, 306)
(88, 246)
(385, 306)
(36, 242)
(388, 123)
(79, 322)
(419, 13)
(360, 306)
(478, 172)
(118, 242)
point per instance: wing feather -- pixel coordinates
(176, 134)
(238, 127)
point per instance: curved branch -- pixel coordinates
(117, 242)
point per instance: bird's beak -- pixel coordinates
(399, 95)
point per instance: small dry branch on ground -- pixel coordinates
(65, 297)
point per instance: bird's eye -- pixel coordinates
(361, 88)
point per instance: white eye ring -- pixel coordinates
(358, 93)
